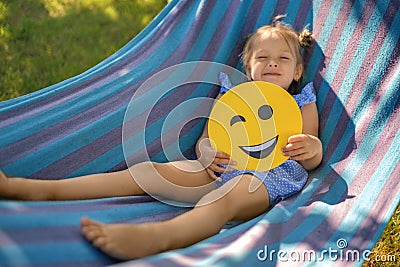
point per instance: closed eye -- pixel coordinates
(236, 119)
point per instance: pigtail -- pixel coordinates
(305, 38)
(278, 21)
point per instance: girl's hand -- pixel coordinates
(210, 159)
(302, 147)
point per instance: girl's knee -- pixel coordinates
(212, 197)
(240, 200)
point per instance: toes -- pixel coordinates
(85, 221)
(100, 240)
(91, 229)
(92, 233)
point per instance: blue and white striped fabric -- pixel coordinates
(75, 127)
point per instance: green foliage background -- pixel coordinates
(46, 41)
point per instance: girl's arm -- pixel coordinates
(306, 148)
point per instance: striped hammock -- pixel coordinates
(76, 127)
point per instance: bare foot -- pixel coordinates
(123, 241)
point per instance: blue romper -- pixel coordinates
(288, 178)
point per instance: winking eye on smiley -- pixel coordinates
(252, 122)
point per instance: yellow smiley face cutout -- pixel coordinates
(252, 122)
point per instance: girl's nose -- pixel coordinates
(272, 65)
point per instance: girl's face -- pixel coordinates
(273, 61)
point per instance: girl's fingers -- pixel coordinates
(293, 152)
(211, 173)
(217, 168)
(300, 157)
(222, 155)
(212, 169)
(292, 146)
(296, 138)
(224, 162)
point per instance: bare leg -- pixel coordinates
(185, 181)
(85, 187)
(165, 180)
(230, 202)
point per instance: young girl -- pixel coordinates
(272, 54)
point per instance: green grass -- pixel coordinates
(43, 42)
(46, 41)
(388, 246)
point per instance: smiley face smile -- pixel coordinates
(261, 151)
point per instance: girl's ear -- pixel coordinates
(298, 72)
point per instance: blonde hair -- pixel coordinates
(296, 41)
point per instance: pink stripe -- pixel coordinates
(358, 185)
(347, 56)
(378, 212)
(321, 18)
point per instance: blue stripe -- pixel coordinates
(56, 253)
(208, 30)
(268, 10)
(234, 32)
(367, 198)
(103, 163)
(292, 10)
(51, 153)
(60, 218)
(49, 118)
(171, 153)
(53, 158)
